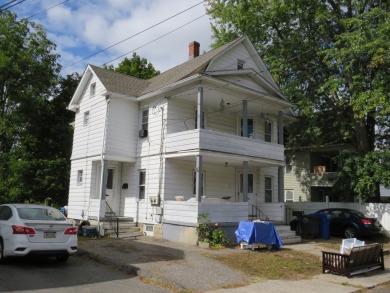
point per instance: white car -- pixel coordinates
(36, 230)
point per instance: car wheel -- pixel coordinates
(350, 232)
(62, 258)
(2, 258)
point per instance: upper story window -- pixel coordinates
(92, 89)
(250, 128)
(240, 64)
(86, 118)
(79, 176)
(268, 131)
(144, 124)
(289, 165)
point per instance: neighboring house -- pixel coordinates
(203, 138)
(310, 173)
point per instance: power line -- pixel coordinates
(136, 34)
(160, 37)
(11, 4)
(47, 9)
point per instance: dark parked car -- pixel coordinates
(351, 223)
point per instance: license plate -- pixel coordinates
(49, 235)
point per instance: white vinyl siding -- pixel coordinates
(122, 130)
(88, 139)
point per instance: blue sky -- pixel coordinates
(81, 28)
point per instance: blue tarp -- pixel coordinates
(258, 232)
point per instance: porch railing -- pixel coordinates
(257, 214)
(112, 219)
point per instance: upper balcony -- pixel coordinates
(320, 177)
(204, 140)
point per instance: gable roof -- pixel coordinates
(120, 83)
(134, 87)
(186, 69)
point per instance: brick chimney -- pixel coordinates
(193, 50)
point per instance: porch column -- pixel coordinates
(103, 188)
(199, 116)
(280, 169)
(199, 179)
(280, 128)
(245, 118)
(245, 181)
(281, 184)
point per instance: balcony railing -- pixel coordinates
(204, 139)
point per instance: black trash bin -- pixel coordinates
(309, 226)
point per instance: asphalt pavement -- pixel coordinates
(186, 268)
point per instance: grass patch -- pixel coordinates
(335, 243)
(275, 265)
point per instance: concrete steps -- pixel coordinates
(286, 235)
(127, 228)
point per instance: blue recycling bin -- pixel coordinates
(324, 225)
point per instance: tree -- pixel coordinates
(136, 67)
(35, 134)
(331, 59)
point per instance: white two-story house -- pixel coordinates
(203, 138)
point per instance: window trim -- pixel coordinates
(79, 178)
(240, 64)
(87, 116)
(92, 89)
(285, 195)
(289, 167)
(241, 124)
(141, 184)
(266, 198)
(144, 123)
(268, 134)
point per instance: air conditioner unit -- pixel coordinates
(143, 133)
(154, 200)
(148, 230)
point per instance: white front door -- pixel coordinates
(251, 185)
(110, 188)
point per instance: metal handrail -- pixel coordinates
(111, 219)
(259, 214)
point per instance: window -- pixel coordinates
(240, 64)
(79, 176)
(5, 213)
(202, 119)
(86, 118)
(110, 178)
(250, 128)
(289, 165)
(92, 89)
(289, 195)
(141, 184)
(267, 131)
(250, 183)
(194, 184)
(144, 123)
(268, 188)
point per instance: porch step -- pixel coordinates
(286, 235)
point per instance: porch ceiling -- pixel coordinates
(229, 100)
(224, 160)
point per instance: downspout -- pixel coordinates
(245, 163)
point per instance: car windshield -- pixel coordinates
(40, 213)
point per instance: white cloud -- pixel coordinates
(82, 28)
